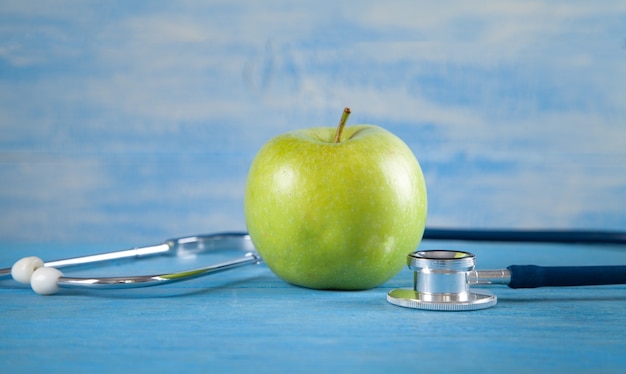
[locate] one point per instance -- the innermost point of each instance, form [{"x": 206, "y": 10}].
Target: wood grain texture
[
  {"x": 137, "y": 121},
  {"x": 250, "y": 321}
]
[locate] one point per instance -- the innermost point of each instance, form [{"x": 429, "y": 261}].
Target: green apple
[{"x": 336, "y": 209}]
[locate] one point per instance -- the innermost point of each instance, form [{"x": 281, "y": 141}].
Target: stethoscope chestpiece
[{"x": 441, "y": 281}]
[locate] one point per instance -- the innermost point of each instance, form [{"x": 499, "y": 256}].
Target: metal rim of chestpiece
[{"x": 441, "y": 281}]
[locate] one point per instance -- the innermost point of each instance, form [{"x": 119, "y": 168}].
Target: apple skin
[{"x": 328, "y": 215}]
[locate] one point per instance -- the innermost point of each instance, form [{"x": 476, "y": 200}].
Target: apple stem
[{"x": 342, "y": 124}]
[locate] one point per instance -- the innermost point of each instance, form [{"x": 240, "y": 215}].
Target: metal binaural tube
[
  {"x": 183, "y": 246},
  {"x": 137, "y": 281}
]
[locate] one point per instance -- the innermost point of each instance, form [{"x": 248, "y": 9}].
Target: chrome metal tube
[
  {"x": 174, "y": 247},
  {"x": 154, "y": 280},
  {"x": 484, "y": 277},
  {"x": 135, "y": 252}
]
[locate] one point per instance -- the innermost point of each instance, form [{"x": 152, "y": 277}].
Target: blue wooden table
[{"x": 247, "y": 320}]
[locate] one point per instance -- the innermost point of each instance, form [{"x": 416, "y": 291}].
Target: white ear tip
[
  {"x": 23, "y": 269},
  {"x": 44, "y": 281}
]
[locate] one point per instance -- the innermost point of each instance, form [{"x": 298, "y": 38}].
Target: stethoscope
[
  {"x": 442, "y": 278},
  {"x": 45, "y": 278}
]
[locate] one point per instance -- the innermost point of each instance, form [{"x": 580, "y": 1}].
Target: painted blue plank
[{"x": 250, "y": 321}]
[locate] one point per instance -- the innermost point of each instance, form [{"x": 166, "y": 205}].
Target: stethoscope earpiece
[
  {"x": 31, "y": 270},
  {"x": 23, "y": 269}
]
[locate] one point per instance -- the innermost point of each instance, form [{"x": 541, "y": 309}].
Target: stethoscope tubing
[
  {"x": 528, "y": 236},
  {"x": 533, "y": 276}
]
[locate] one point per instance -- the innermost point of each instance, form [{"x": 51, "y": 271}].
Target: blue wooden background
[
  {"x": 137, "y": 121},
  {"x": 125, "y": 123}
]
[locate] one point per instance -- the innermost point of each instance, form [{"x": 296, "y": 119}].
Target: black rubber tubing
[
  {"x": 532, "y": 236},
  {"x": 532, "y": 276}
]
